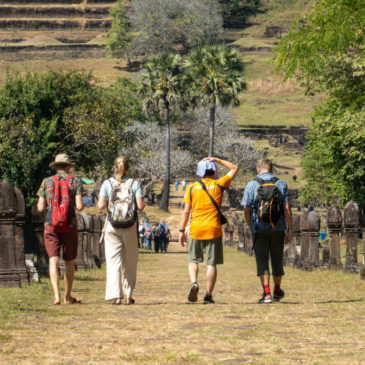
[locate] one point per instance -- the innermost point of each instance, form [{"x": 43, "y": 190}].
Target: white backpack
[{"x": 122, "y": 209}]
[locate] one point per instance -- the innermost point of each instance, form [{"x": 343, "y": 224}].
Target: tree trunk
[
  {"x": 164, "y": 202},
  {"x": 211, "y": 127}
]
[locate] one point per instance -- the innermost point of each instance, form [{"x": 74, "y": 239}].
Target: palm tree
[
  {"x": 160, "y": 85},
  {"x": 214, "y": 75}
]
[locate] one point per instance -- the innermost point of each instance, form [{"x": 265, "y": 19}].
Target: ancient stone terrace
[{"x": 38, "y": 29}]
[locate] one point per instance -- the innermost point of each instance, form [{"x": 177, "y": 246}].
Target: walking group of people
[
  {"x": 266, "y": 210},
  {"x": 160, "y": 234}
]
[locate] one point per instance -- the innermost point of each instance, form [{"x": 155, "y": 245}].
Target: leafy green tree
[
  {"x": 118, "y": 40},
  {"x": 44, "y": 114},
  {"x": 325, "y": 51},
  {"x": 214, "y": 76},
  {"x": 31, "y": 122},
  {"x": 160, "y": 86}
]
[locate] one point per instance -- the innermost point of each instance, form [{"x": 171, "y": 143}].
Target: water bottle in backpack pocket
[{"x": 122, "y": 209}]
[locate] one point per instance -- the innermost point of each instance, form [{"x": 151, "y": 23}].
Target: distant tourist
[
  {"x": 268, "y": 214},
  {"x": 176, "y": 185},
  {"x": 203, "y": 199},
  {"x": 183, "y": 184},
  {"x": 156, "y": 237},
  {"x": 165, "y": 236},
  {"x": 60, "y": 227},
  {"x": 122, "y": 196}
]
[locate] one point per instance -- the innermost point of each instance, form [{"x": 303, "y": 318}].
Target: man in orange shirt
[{"x": 205, "y": 230}]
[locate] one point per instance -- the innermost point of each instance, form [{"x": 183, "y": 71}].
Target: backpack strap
[
  {"x": 191, "y": 193},
  {"x": 211, "y": 198}
]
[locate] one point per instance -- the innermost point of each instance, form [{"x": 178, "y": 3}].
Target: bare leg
[
  {"x": 54, "y": 276},
  {"x": 265, "y": 280},
  {"x": 69, "y": 278},
  {"x": 277, "y": 280},
  {"x": 193, "y": 270},
  {"x": 211, "y": 278}
]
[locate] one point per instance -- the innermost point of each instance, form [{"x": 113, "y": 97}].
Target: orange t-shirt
[{"x": 204, "y": 223}]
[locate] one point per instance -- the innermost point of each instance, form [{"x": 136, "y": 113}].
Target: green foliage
[
  {"x": 44, "y": 114},
  {"x": 31, "y": 127},
  {"x": 118, "y": 39},
  {"x": 325, "y": 50},
  {"x": 214, "y": 74}
]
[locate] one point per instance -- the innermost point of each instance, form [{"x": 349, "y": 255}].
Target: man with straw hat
[{"x": 61, "y": 194}]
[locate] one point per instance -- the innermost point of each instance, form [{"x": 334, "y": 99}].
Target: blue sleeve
[
  {"x": 105, "y": 189},
  {"x": 137, "y": 189},
  {"x": 248, "y": 196},
  {"x": 285, "y": 191}
]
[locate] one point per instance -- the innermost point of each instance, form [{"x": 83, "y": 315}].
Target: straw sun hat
[{"x": 61, "y": 159}]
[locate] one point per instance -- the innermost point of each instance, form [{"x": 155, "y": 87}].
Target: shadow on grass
[
  {"x": 340, "y": 301},
  {"x": 88, "y": 278}
]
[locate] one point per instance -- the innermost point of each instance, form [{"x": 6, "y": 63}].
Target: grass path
[{"x": 320, "y": 320}]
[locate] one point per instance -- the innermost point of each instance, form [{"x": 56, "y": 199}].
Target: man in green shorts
[{"x": 205, "y": 230}]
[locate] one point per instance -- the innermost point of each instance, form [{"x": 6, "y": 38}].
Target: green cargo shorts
[{"x": 213, "y": 249}]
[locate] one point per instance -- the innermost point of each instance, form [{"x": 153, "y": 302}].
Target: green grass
[{"x": 321, "y": 318}]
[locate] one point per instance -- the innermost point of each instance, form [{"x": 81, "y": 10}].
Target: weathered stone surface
[
  {"x": 9, "y": 275},
  {"x": 304, "y": 261},
  {"x": 297, "y": 237},
  {"x": 352, "y": 227},
  {"x": 314, "y": 224},
  {"x": 334, "y": 225},
  {"x": 88, "y": 240},
  {"x": 19, "y": 237},
  {"x": 38, "y": 230},
  {"x": 80, "y": 262}
]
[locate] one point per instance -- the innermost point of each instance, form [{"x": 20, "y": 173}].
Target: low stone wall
[
  {"x": 14, "y": 270},
  {"x": 303, "y": 251}
]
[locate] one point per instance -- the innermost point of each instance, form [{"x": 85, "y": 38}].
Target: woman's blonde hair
[{"x": 120, "y": 168}]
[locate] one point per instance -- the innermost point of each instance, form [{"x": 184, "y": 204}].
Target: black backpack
[{"x": 269, "y": 209}]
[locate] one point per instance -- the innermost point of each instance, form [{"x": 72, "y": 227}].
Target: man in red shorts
[{"x": 68, "y": 240}]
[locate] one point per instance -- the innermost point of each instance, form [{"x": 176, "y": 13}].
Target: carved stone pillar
[
  {"x": 314, "y": 224},
  {"x": 305, "y": 261},
  {"x": 19, "y": 237},
  {"x": 226, "y": 234},
  {"x": 334, "y": 224},
  {"x": 87, "y": 240},
  {"x": 230, "y": 232},
  {"x": 80, "y": 263},
  {"x": 9, "y": 276},
  {"x": 297, "y": 238},
  {"x": 241, "y": 239},
  {"x": 38, "y": 230},
  {"x": 352, "y": 226}
]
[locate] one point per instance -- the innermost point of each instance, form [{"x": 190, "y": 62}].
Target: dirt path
[{"x": 321, "y": 319}]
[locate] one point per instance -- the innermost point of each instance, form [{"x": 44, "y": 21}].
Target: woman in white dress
[{"x": 121, "y": 244}]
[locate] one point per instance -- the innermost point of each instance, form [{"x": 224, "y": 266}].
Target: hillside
[{"x": 38, "y": 35}]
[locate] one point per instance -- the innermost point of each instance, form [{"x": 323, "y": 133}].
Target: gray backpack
[{"x": 122, "y": 208}]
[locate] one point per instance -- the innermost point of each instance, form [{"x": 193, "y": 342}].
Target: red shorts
[{"x": 53, "y": 242}]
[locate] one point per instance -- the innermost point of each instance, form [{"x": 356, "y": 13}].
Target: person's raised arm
[{"x": 228, "y": 165}]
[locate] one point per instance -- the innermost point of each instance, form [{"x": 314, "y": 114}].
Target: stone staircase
[{"x": 43, "y": 29}]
